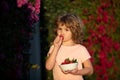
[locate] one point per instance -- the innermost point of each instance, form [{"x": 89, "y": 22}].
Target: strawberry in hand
[{"x": 61, "y": 36}]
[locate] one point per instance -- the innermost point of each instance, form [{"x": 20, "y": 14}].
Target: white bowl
[{"x": 70, "y": 66}]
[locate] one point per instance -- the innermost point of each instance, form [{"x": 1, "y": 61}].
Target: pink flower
[
  {"x": 37, "y": 6},
  {"x": 100, "y": 10},
  {"x": 34, "y": 17},
  {"x": 105, "y": 17},
  {"x": 116, "y": 46},
  {"x": 99, "y": 19},
  {"x": 30, "y": 6},
  {"x": 101, "y": 29},
  {"x": 33, "y": 6},
  {"x": 20, "y": 3}
]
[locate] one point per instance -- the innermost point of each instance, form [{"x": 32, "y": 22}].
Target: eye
[
  {"x": 59, "y": 29},
  {"x": 67, "y": 29}
]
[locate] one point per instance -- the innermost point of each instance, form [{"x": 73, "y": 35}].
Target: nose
[{"x": 62, "y": 32}]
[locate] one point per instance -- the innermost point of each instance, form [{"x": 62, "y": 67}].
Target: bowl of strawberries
[{"x": 68, "y": 64}]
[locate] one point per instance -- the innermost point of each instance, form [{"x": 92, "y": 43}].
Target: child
[{"x": 67, "y": 44}]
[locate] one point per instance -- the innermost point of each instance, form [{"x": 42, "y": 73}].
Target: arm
[
  {"x": 87, "y": 65},
  {"x": 51, "y": 58},
  {"x": 88, "y": 68}
]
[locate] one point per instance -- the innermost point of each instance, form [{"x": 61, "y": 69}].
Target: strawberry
[
  {"x": 61, "y": 36},
  {"x": 68, "y": 61}
]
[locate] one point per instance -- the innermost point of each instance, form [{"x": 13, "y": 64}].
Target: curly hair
[{"x": 74, "y": 23}]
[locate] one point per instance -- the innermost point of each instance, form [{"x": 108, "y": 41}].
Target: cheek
[{"x": 68, "y": 37}]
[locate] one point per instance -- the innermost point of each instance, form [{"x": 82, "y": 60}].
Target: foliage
[
  {"x": 15, "y": 32},
  {"x": 102, "y": 20}
]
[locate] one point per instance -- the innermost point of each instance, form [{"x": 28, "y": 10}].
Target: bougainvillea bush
[
  {"x": 16, "y": 20},
  {"x": 102, "y": 31},
  {"x": 103, "y": 41}
]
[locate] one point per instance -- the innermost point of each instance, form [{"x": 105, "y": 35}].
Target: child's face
[{"x": 65, "y": 32}]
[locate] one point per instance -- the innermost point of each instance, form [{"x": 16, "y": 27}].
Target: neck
[{"x": 71, "y": 43}]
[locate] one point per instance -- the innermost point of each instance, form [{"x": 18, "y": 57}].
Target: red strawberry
[
  {"x": 61, "y": 36},
  {"x": 68, "y": 61}
]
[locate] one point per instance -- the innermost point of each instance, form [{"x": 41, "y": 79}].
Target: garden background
[{"x": 101, "y": 19}]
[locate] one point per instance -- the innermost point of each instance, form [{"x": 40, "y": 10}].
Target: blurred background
[{"x": 26, "y": 31}]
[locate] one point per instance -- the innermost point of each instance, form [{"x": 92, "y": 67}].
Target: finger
[
  {"x": 57, "y": 39},
  {"x": 66, "y": 72},
  {"x": 60, "y": 40}
]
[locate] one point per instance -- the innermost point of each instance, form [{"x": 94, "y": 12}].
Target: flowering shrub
[
  {"x": 102, "y": 20},
  {"x": 101, "y": 43},
  {"x": 15, "y": 32},
  {"x": 33, "y": 6}
]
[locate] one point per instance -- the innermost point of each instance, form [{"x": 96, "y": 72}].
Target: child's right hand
[
  {"x": 74, "y": 71},
  {"x": 58, "y": 41}
]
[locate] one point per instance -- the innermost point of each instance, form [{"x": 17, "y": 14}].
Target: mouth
[{"x": 61, "y": 36}]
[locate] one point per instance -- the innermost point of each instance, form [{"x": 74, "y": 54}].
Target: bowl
[{"x": 69, "y": 66}]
